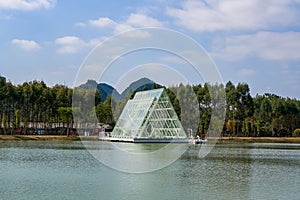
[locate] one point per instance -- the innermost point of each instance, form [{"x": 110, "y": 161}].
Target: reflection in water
[
  {"x": 65, "y": 170},
  {"x": 224, "y": 173}
]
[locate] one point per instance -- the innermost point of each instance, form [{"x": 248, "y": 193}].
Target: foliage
[
  {"x": 296, "y": 132},
  {"x": 33, "y": 103}
]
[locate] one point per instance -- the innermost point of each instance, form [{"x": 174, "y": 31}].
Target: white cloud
[
  {"x": 105, "y": 22},
  {"x": 133, "y": 21},
  {"x": 217, "y": 15},
  {"x": 102, "y": 22},
  {"x": 27, "y": 45},
  {"x": 70, "y": 44},
  {"x": 68, "y": 49},
  {"x": 68, "y": 40},
  {"x": 267, "y": 45},
  {"x": 26, "y": 4},
  {"x": 73, "y": 44},
  {"x": 141, "y": 20},
  {"x": 137, "y": 34},
  {"x": 96, "y": 41},
  {"x": 119, "y": 28},
  {"x": 137, "y": 21}
]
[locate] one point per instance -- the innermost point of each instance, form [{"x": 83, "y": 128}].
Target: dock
[{"x": 154, "y": 140}]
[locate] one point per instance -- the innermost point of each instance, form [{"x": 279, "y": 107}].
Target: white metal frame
[{"x": 150, "y": 114}]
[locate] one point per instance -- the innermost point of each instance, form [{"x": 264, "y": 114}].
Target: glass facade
[{"x": 150, "y": 114}]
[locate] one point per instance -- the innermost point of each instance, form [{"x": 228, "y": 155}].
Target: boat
[
  {"x": 199, "y": 141},
  {"x": 153, "y": 140}
]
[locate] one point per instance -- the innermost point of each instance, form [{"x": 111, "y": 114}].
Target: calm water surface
[{"x": 65, "y": 170}]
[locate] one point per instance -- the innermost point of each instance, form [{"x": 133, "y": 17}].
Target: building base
[{"x": 153, "y": 140}]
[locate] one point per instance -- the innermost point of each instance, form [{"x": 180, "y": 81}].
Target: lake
[{"x": 232, "y": 170}]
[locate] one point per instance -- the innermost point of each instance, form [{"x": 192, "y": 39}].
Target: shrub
[
  {"x": 296, "y": 132},
  {"x": 284, "y": 132}
]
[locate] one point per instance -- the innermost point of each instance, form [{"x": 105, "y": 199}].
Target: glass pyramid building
[{"x": 149, "y": 115}]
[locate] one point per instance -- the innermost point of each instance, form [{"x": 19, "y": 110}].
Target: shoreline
[
  {"x": 95, "y": 138},
  {"x": 261, "y": 139},
  {"x": 46, "y": 138}
]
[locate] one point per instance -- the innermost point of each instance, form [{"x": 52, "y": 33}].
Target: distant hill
[
  {"x": 139, "y": 85},
  {"x": 105, "y": 89},
  {"x": 89, "y": 85}
]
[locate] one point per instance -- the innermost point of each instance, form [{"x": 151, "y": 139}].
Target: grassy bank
[
  {"x": 94, "y": 138},
  {"x": 45, "y": 137},
  {"x": 262, "y": 139}
]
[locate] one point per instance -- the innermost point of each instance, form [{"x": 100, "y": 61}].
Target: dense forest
[{"x": 32, "y": 106}]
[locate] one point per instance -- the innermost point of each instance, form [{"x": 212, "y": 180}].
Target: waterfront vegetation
[{"x": 26, "y": 107}]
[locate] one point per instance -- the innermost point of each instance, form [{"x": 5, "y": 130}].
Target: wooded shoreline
[
  {"x": 35, "y": 108},
  {"x": 95, "y": 138}
]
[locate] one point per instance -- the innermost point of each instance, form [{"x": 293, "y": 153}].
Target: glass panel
[{"x": 149, "y": 114}]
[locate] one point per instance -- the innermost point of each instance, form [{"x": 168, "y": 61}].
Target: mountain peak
[
  {"x": 89, "y": 85},
  {"x": 106, "y": 89}
]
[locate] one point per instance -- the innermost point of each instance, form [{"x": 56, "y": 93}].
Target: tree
[
  {"x": 258, "y": 128},
  {"x": 66, "y": 115},
  {"x": 33, "y": 104},
  {"x": 245, "y": 106},
  {"x": 229, "y": 127},
  {"x": 104, "y": 111},
  {"x": 18, "y": 118}
]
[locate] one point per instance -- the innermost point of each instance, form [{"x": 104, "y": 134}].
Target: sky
[{"x": 251, "y": 41}]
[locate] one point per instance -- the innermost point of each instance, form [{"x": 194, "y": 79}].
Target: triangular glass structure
[{"x": 149, "y": 115}]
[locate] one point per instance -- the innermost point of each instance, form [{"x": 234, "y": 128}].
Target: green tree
[
  {"x": 245, "y": 106},
  {"x": 18, "y": 118},
  {"x": 66, "y": 116},
  {"x": 229, "y": 127},
  {"x": 104, "y": 111}
]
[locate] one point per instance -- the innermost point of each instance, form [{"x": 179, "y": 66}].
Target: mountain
[
  {"x": 89, "y": 85},
  {"x": 105, "y": 89},
  {"x": 139, "y": 85}
]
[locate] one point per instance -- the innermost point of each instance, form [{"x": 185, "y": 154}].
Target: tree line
[
  {"x": 31, "y": 105},
  {"x": 262, "y": 115},
  {"x": 34, "y": 105}
]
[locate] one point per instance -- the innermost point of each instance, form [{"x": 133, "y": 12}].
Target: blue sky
[{"x": 251, "y": 41}]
